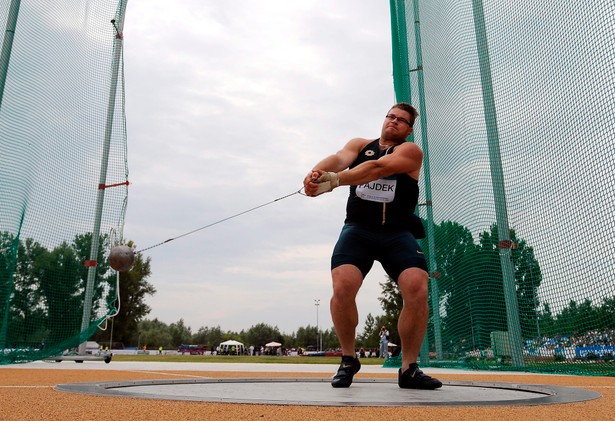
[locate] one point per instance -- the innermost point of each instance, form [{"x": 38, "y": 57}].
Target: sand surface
[{"x": 28, "y": 394}]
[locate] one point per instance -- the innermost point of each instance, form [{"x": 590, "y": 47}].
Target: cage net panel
[
  {"x": 54, "y": 120},
  {"x": 518, "y": 131}
]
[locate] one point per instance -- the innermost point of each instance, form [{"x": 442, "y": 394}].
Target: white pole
[
  {"x": 497, "y": 181},
  {"x": 318, "y": 339},
  {"x": 5, "y": 58},
  {"x": 115, "y": 64},
  {"x": 7, "y": 44}
]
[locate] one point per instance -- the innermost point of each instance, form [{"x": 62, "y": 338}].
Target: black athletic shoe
[
  {"x": 414, "y": 378},
  {"x": 348, "y": 368}
]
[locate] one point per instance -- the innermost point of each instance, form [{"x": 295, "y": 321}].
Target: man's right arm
[
  {"x": 343, "y": 158},
  {"x": 339, "y": 161}
]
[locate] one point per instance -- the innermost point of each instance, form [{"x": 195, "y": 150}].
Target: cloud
[{"x": 228, "y": 106}]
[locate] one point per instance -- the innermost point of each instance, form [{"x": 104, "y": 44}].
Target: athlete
[{"x": 380, "y": 225}]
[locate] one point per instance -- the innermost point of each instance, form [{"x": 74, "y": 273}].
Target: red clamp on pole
[
  {"x": 123, "y": 183},
  {"x": 90, "y": 263},
  {"x": 508, "y": 244}
]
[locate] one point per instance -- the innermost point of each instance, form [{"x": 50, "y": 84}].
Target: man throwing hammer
[{"x": 380, "y": 225}]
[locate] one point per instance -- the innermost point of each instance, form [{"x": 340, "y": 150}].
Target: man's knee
[
  {"x": 413, "y": 283},
  {"x": 347, "y": 280}
]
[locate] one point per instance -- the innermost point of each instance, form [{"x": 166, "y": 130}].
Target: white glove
[{"x": 327, "y": 182}]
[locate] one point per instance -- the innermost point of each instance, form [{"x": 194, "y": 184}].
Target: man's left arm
[{"x": 407, "y": 158}]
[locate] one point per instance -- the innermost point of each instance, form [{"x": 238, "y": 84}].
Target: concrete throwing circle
[{"x": 318, "y": 392}]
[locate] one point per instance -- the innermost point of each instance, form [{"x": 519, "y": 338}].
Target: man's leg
[
  {"x": 412, "y": 325},
  {"x": 347, "y": 280}
]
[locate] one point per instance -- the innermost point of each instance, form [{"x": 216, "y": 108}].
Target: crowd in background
[{"x": 604, "y": 337}]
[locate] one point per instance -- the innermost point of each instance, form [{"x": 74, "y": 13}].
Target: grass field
[
  {"x": 586, "y": 368},
  {"x": 264, "y": 359}
]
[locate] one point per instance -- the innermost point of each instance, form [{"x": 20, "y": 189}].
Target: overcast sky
[{"x": 228, "y": 106}]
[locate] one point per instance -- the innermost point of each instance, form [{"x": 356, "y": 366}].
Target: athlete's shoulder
[
  {"x": 360, "y": 141},
  {"x": 357, "y": 144},
  {"x": 410, "y": 148}
]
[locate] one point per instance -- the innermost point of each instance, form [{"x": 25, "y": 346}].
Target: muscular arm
[
  {"x": 407, "y": 158},
  {"x": 334, "y": 163},
  {"x": 342, "y": 158}
]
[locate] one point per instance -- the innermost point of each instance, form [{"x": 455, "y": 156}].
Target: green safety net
[
  {"x": 517, "y": 104},
  {"x": 63, "y": 172}
]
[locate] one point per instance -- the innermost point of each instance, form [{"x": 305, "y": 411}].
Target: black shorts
[{"x": 360, "y": 246}]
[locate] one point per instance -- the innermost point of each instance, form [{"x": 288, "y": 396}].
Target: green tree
[
  {"x": 471, "y": 289},
  {"x": 210, "y": 336},
  {"x": 546, "y": 322},
  {"x": 27, "y": 321},
  {"x": 261, "y": 334},
  {"x": 8, "y": 254},
  {"x": 528, "y": 277},
  {"x": 289, "y": 340},
  {"x": 364, "y": 339},
  {"x": 62, "y": 289},
  {"x": 475, "y": 304},
  {"x": 606, "y": 314},
  {"x": 370, "y": 337},
  {"x": 579, "y": 318},
  {"x": 329, "y": 339},
  {"x": 47, "y": 289},
  {"x": 180, "y": 333},
  {"x": 456, "y": 255},
  {"x": 567, "y": 320},
  {"x": 587, "y": 317},
  {"x": 391, "y": 303},
  {"x": 307, "y": 336},
  {"x": 153, "y": 333}
]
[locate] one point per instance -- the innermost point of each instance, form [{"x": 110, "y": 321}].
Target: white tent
[
  {"x": 273, "y": 344},
  {"x": 226, "y": 347},
  {"x": 231, "y": 342}
]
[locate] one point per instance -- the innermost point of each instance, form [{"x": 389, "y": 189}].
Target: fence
[
  {"x": 517, "y": 105},
  {"x": 63, "y": 172}
]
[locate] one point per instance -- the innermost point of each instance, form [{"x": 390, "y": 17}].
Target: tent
[
  {"x": 231, "y": 342},
  {"x": 273, "y": 344},
  {"x": 231, "y": 347}
]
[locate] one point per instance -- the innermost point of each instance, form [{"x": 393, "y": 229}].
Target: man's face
[{"x": 396, "y": 125}]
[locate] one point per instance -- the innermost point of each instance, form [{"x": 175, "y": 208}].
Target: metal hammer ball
[{"x": 121, "y": 258}]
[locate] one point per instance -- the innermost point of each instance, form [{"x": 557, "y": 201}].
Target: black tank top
[{"x": 395, "y": 215}]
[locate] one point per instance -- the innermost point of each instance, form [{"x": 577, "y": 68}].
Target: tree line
[
  {"x": 471, "y": 300},
  {"x": 577, "y": 318},
  {"x": 42, "y": 295},
  {"x": 42, "y": 291},
  {"x": 155, "y": 333}
]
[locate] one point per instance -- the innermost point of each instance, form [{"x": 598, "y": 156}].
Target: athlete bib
[{"x": 381, "y": 191}]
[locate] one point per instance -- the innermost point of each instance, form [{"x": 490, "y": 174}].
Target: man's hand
[
  {"x": 327, "y": 182},
  {"x": 318, "y": 182},
  {"x": 309, "y": 183}
]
